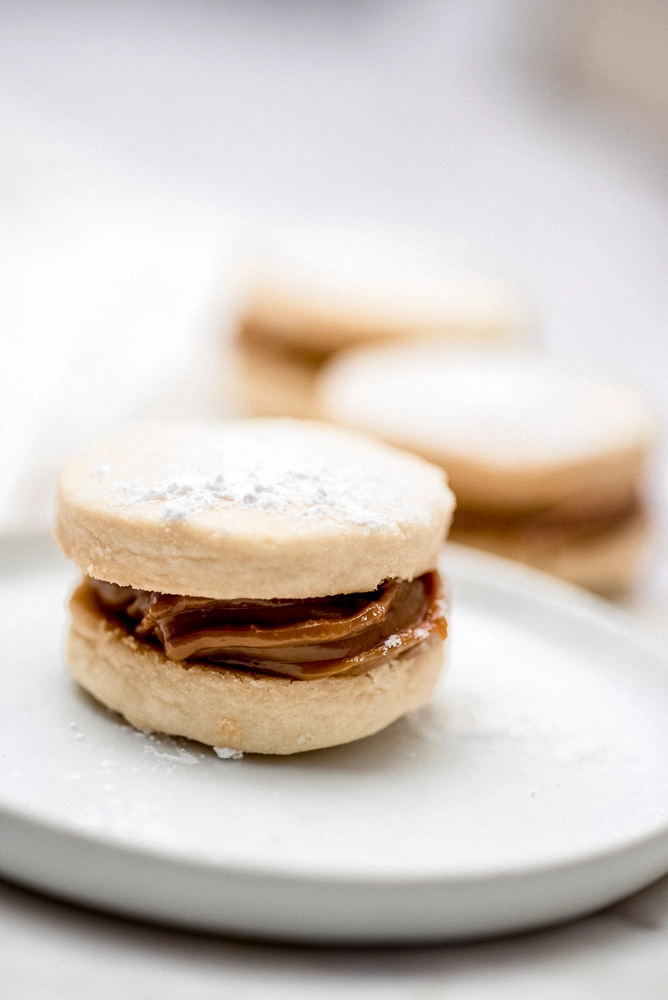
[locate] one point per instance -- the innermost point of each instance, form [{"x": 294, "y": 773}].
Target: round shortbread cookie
[
  {"x": 273, "y": 382},
  {"x": 512, "y": 431},
  {"x": 251, "y": 509},
  {"x": 331, "y": 288},
  {"x": 237, "y": 709}
]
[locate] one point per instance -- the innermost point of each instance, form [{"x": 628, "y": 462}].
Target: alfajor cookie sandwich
[
  {"x": 547, "y": 464},
  {"x": 267, "y": 586},
  {"x": 311, "y": 297}
]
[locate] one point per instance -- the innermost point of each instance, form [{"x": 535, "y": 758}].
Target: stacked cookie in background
[
  {"x": 548, "y": 463},
  {"x": 314, "y": 296}
]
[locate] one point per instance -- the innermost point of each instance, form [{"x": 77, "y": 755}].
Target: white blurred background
[{"x": 142, "y": 142}]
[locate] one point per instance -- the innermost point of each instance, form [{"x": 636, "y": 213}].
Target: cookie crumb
[{"x": 227, "y": 753}]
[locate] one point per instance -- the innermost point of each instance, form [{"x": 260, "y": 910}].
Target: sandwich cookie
[
  {"x": 311, "y": 298},
  {"x": 547, "y": 464},
  {"x": 266, "y": 586}
]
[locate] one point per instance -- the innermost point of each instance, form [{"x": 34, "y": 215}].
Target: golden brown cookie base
[
  {"x": 234, "y": 708},
  {"x": 336, "y": 513}
]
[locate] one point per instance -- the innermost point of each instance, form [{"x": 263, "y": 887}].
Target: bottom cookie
[{"x": 244, "y": 711}]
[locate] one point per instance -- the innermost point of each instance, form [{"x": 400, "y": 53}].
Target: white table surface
[
  {"x": 139, "y": 142},
  {"x": 50, "y": 949}
]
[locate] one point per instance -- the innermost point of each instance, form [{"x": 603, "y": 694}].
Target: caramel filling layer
[
  {"x": 252, "y": 336},
  {"x": 302, "y": 639},
  {"x": 548, "y": 522}
]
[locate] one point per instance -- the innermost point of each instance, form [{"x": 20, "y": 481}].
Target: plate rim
[{"x": 473, "y": 565}]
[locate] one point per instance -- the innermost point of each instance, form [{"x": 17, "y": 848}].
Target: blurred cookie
[
  {"x": 311, "y": 298},
  {"x": 547, "y": 464},
  {"x": 268, "y": 586}
]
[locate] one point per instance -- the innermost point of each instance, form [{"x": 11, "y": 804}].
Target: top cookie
[
  {"x": 259, "y": 508},
  {"x": 511, "y": 430},
  {"x": 329, "y": 290}
]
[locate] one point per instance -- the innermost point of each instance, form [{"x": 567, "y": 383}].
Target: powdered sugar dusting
[
  {"x": 392, "y": 642},
  {"x": 283, "y": 469},
  {"x": 227, "y": 753},
  {"x": 178, "y": 755}
]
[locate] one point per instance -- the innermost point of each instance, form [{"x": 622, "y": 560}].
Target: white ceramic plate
[{"x": 533, "y": 789}]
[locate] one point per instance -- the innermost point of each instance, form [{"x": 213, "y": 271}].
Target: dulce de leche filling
[
  {"x": 548, "y": 523},
  {"x": 302, "y": 639}
]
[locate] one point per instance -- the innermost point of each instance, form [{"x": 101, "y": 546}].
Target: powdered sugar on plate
[{"x": 227, "y": 753}]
